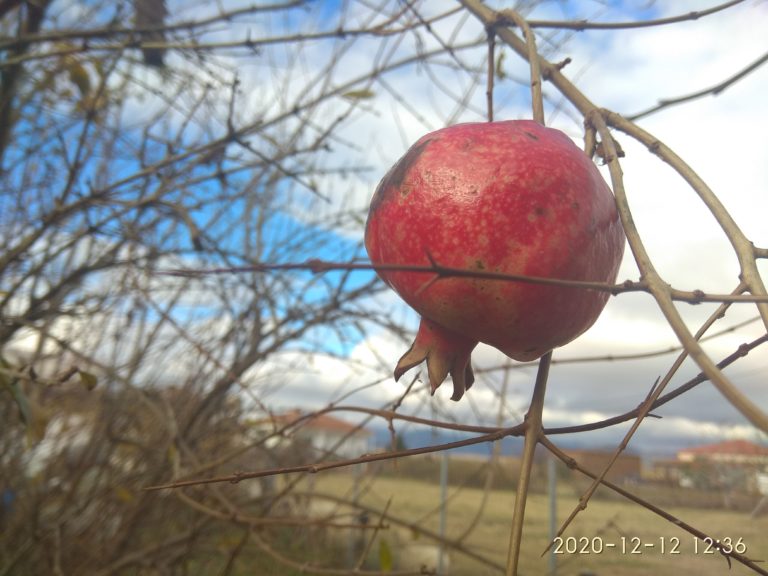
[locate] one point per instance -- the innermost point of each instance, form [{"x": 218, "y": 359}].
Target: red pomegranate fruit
[{"x": 508, "y": 197}]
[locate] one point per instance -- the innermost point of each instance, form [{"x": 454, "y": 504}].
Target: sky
[{"x": 721, "y": 137}]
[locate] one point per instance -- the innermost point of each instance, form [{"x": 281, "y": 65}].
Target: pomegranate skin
[{"x": 510, "y": 197}]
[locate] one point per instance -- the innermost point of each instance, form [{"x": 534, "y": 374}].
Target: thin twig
[
  {"x": 416, "y": 528},
  {"x": 700, "y": 378},
  {"x": 379, "y": 526},
  {"x": 318, "y": 266},
  {"x": 713, "y": 90},
  {"x": 323, "y": 466},
  {"x": 587, "y": 25},
  {"x": 490, "y": 76},
  {"x": 617, "y": 357},
  {"x": 537, "y": 99},
  {"x": 248, "y": 45}
]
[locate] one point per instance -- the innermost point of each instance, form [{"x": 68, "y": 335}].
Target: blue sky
[
  {"x": 630, "y": 71},
  {"x": 625, "y": 71}
]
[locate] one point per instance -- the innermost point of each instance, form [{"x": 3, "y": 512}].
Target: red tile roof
[
  {"x": 323, "y": 422},
  {"x": 741, "y": 447}
]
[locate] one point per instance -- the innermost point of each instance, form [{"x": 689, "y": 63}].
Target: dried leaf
[
  {"x": 385, "y": 556},
  {"x": 78, "y": 75},
  {"x": 601, "y": 153},
  {"x": 37, "y": 425},
  {"x": 124, "y": 494},
  {"x": 36, "y": 432},
  {"x": 21, "y": 401},
  {"x": 87, "y": 379},
  {"x": 363, "y": 94},
  {"x": 500, "y": 74}
]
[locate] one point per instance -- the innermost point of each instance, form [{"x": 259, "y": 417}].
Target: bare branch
[
  {"x": 711, "y": 91},
  {"x": 587, "y": 25}
]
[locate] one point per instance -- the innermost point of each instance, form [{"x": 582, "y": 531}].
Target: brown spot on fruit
[
  {"x": 536, "y": 213},
  {"x": 396, "y": 175}
]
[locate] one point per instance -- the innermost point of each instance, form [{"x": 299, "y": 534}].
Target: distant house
[
  {"x": 730, "y": 451},
  {"x": 733, "y": 464},
  {"x": 325, "y": 435}
]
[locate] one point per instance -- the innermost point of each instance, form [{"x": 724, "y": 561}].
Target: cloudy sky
[{"x": 722, "y": 137}]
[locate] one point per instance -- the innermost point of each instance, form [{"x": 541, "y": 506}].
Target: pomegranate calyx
[{"x": 446, "y": 352}]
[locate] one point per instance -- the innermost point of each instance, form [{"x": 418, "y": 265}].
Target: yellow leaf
[
  {"x": 123, "y": 494},
  {"x": 88, "y": 380},
  {"x": 363, "y": 94},
  {"x": 385, "y": 556},
  {"x": 78, "y": 75},
  {"x": 37, "y": 425},
  {"x": 500, "y": 74}
]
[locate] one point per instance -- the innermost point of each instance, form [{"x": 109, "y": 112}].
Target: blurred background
[{"x": 141, "y": 138}]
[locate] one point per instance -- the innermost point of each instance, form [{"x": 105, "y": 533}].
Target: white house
[{"x": 326, "y": 435}]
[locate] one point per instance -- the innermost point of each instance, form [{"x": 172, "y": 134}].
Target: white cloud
[{"x": 723, "y": 138}]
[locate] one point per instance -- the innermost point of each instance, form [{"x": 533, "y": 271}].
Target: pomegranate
[{"x": 510, "y": 197}]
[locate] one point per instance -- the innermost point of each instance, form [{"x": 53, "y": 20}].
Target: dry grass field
[{"x": 608, "y": 538}]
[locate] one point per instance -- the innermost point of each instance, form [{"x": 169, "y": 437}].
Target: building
[
  {"x": 326, "y": 436},
  {"x": 730, "y": 451},
  {"x": 732, "y": 464}
]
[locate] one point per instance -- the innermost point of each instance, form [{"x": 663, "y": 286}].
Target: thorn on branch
[
  {"x": 743, "y": 350},
  {"x": 698, "y": 296},
  {"x": 432, "y": 261},
  {"x": 581, "y": 25},
  {"x": 571, "y": 463},
  {"x": 231, "y": 132},
  {"x": 625, "y": 286},
  {"x": 653, "y": 388},
  {"x": 317, "y": 266}
]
